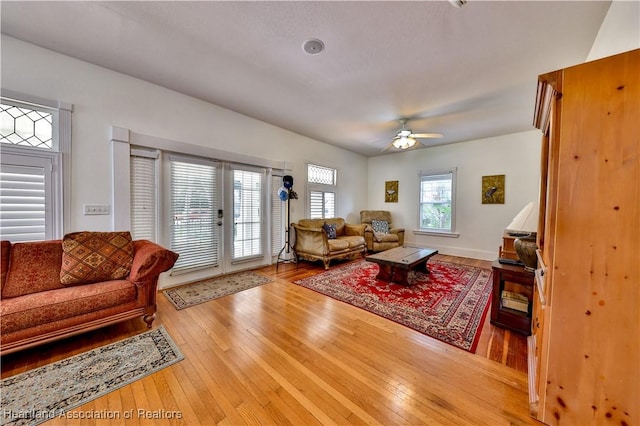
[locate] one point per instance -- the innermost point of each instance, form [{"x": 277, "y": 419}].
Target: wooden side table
[{"x": 501, "y": 316}]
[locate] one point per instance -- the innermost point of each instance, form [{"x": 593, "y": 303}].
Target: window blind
[
  {"x": 278, "y": 214},
  {"x": 194, "y": 232},
  {"x": 143, "y": 196}
]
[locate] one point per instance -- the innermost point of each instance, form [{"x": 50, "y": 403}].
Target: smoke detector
[{"x": 313, "y": 46}]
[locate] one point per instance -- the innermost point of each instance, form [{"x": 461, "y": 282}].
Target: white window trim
[
  {"x": 61, "y": 178},
  {"x": 449, "y": 234}
]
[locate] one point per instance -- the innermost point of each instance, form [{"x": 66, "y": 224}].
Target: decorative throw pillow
[
  {"x": 381, "y": 226},
  {"x": 330, "y": 229},
  {"x": 89, "y": 257}
]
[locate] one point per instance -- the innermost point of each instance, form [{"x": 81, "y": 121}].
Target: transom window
[
  {"x": 321, "y": 175},
  {"x": 26, "y": 126}
]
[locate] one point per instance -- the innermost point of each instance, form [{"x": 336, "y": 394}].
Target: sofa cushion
[
  {"x": 48, "y": 306},
  {"x": 338, "y": 244},
  {"x": 354, "y": 241},
  {"x": 385, "y": 238},
  {"x": 95, "y": 256},
  {"x": 33, "y": 267},
  {"x": 330, "y": 229}
]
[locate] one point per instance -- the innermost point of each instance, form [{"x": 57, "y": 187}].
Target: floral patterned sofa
[{"x": 54, "y": 289}]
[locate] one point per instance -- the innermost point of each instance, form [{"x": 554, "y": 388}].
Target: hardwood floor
[{"x": 283, "y": 354}]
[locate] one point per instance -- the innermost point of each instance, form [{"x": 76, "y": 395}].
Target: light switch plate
[{"x": 96, "y": 209}]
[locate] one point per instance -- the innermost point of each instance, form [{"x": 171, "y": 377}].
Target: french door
[
  {"x": 196, "y": 214},
  {"x": 217, "y": 215}
]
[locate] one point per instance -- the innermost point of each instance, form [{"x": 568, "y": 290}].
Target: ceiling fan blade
[
  {"x": 388, "y": 147},
  {"x": 427, "y": 135}
]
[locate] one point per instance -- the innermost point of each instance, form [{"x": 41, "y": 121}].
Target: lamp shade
[{"x": 526, "y": 221}]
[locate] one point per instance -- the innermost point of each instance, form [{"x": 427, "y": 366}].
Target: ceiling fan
[{"x": 406, "y": 139}]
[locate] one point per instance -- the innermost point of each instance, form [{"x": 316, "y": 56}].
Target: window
[
  {"x": 247, "y": 214},
  {"x": 34, "y": 136},
  {"x": 437, "y": 201},
  {"x": 194, "y": 233},
  {"x": 144, "y": 195},
  {"x": 321, "y": 185}
]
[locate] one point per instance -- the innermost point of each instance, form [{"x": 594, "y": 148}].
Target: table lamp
[{"x": 525, "y": 226}]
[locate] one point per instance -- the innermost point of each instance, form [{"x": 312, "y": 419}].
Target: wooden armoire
[{"x": 584, "y": 356}]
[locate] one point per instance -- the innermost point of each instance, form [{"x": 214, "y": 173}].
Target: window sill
[{"x": 436, "y": 233}]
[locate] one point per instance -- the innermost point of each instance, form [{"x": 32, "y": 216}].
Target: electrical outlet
[{"x": 95, "y": 209}]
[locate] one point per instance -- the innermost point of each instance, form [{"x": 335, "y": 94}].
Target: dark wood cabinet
[{"x": 523, "y": 281}]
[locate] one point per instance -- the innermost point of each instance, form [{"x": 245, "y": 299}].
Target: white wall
[
  {"x": 480, "y": 226},
  {"x": 619, "y": 32},
  {"x": 517, "y": 156},
  {"x": 103, "y": 98}
]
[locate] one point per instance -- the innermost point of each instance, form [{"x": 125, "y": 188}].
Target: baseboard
[{"x": 460, "y": 252}]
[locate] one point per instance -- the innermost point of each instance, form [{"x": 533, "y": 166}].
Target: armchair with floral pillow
[{"x": 380, "y": 234}]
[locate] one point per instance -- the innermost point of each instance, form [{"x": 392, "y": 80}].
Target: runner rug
[
  {"x": 449, "y": 304},
  {"x": 202, "y": 291},
  {"x": 51, "y": 391}
]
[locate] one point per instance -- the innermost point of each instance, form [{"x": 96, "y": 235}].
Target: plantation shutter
[
  {"x": 25, "y": 201},
  {"x": 143, "y": 195},
  {"x": 322, "y": 204},
  {"x": 194, "y": 233},
  {"x": 316, "y": 205}
]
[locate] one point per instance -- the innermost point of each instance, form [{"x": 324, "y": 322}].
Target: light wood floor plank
[{"x": 283, "y": 354}]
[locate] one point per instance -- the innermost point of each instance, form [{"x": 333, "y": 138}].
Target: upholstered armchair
[{"x": 380, "y": 234}]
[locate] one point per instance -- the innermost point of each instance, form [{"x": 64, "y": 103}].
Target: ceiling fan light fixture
[{"x": 404, "y": 142}]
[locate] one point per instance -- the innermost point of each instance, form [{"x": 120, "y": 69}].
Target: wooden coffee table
[{"x": 396, "y": 263}]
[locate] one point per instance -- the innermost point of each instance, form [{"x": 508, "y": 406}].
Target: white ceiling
[{"x": 467, "y": 72}]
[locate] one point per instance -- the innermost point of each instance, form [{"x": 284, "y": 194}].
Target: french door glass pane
[
  {"x": 194, "y": 203},
  {"x": 247, "y": 214}
]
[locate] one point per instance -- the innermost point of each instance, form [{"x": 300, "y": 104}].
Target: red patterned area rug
[{"x": 449, "y": 304}]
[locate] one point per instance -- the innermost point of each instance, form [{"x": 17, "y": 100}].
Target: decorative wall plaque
[
  {"x": 391, "y": 191},
  {"x": 493, "y": 189}
]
